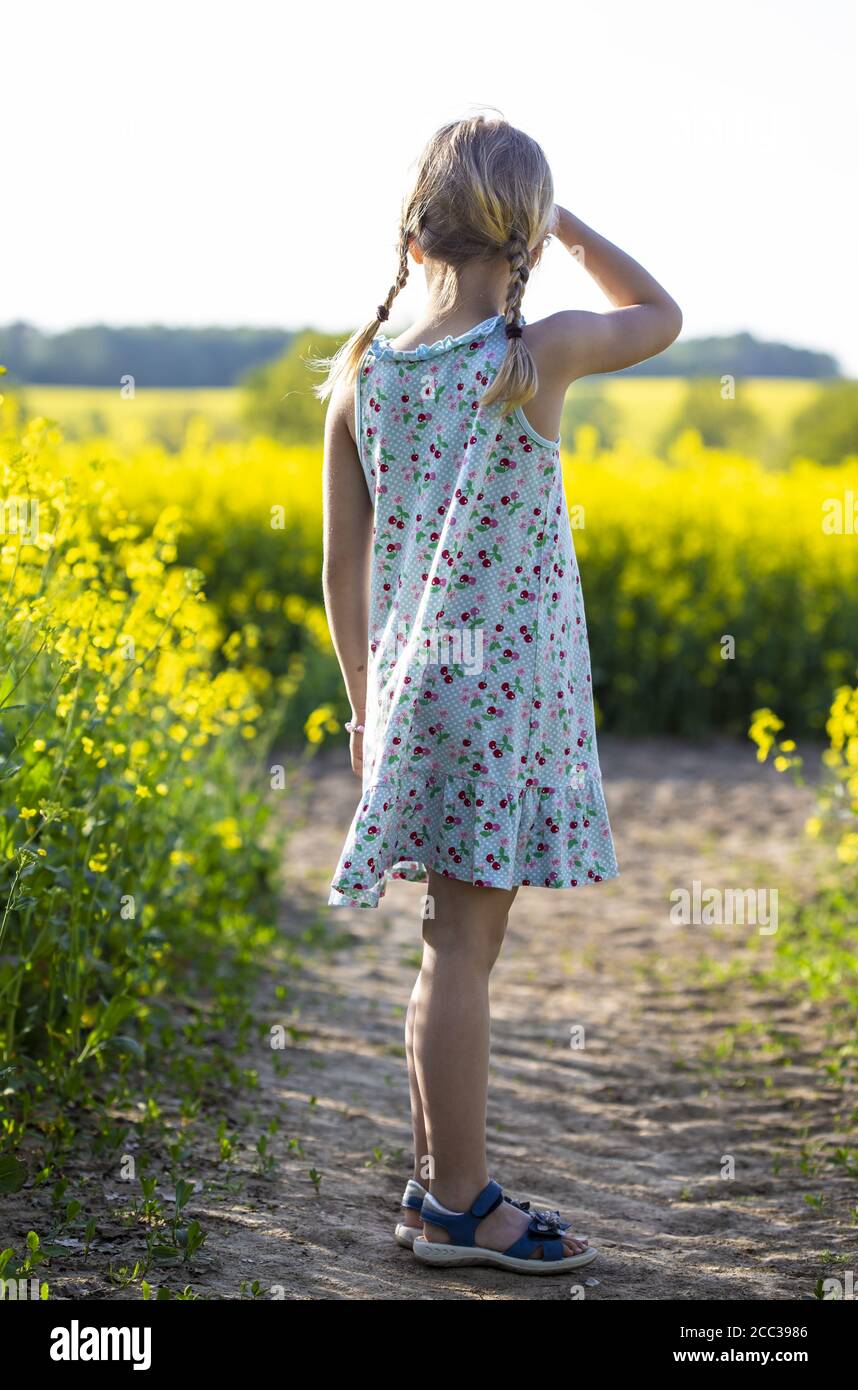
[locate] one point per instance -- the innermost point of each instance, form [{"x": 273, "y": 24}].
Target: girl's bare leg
[
  {"x": 418, "y": 1124},
  {"x": 449, "y": 1051}
]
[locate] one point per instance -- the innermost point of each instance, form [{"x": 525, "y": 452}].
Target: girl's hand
[
  {"x": 644, "y": 319},
  {"x": 356, "y": 750}
]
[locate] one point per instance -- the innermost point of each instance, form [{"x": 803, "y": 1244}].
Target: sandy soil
[{"x": 627, "y": 1136}]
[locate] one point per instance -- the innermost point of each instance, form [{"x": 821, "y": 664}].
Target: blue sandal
[
  {"x": 412, "y": 1200},
  {"x": 545, "y": 1231},
  {"x": 415, "y": 1193}
]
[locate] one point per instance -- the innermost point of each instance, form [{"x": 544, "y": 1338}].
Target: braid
[
  {"x": 343, "y": 365},
  {"x": 518, "y": 254},
  {"x": 401, "y": 274},
  {"x": 515, "y": 380}
]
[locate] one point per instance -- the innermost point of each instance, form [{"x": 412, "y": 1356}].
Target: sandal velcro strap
[
  {"x": 490, "y": 1197},
  {"x": 544, "y": 1233},
  {"x": 461, "y": 1225}
]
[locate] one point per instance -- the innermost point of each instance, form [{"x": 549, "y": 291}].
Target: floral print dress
[{"x": 480, "y": 757}]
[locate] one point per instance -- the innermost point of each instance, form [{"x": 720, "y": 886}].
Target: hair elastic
[
  {"x": 382, "y": 313},
  {"x": 353, "y": 727},
  {"x": 513, "y": 330}
]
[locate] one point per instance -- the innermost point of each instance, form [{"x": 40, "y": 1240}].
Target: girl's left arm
[{"x": 347, "y": 546}]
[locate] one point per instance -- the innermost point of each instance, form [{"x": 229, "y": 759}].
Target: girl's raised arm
[
  {"x": 644, "y": 321},
  {"x": 347, "y": 545}
]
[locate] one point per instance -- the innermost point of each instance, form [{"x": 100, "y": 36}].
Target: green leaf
[
  {"x": 162, "y": 1255},
  {"x": 184, "y": 1191},
  {"x": 13, "y": 1174},
  {"x": 126, "y": 1044},
  {"x": 111, "y": 1016}
]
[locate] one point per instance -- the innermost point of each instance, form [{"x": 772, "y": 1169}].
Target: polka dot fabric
[{"x": 480, "y": 756}]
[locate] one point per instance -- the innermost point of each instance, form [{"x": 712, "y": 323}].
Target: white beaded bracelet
[{"x": 352, "y": 728}]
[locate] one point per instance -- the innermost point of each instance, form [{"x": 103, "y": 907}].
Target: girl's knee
[
  {"x": 455, "y": 900},
  {"x": 468, "y": 922},
  {"x": 463, "y": 949}
]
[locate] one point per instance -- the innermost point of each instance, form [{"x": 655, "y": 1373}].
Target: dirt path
[{"x": 628, "y": 1134}]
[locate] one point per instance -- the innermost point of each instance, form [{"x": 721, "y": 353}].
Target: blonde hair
[{"x": 481, "y": 189}]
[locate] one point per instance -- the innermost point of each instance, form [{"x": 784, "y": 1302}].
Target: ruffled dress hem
[{"x": 477, "y": 831}]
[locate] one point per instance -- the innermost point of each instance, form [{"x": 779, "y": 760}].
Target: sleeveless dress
[{"x": 480, "y": 757}]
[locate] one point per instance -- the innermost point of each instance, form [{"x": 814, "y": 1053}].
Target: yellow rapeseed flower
[
  {"x": 764, "y": 726},
  {"x": 847, "y": 849},
  {"x": 319, "y": 722},
  {"x": 228, "y": 831}
]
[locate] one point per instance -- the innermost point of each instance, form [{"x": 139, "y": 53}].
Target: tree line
[{"x": 155, "y": 355}]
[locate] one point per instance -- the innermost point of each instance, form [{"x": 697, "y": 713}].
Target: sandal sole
[{"x": 442, "y": 1255}]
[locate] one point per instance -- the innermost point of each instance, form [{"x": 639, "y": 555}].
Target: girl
[{"x": 455, "y": 607}]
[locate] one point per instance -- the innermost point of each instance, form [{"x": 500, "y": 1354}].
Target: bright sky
[{"x": 187, "y": 162}]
